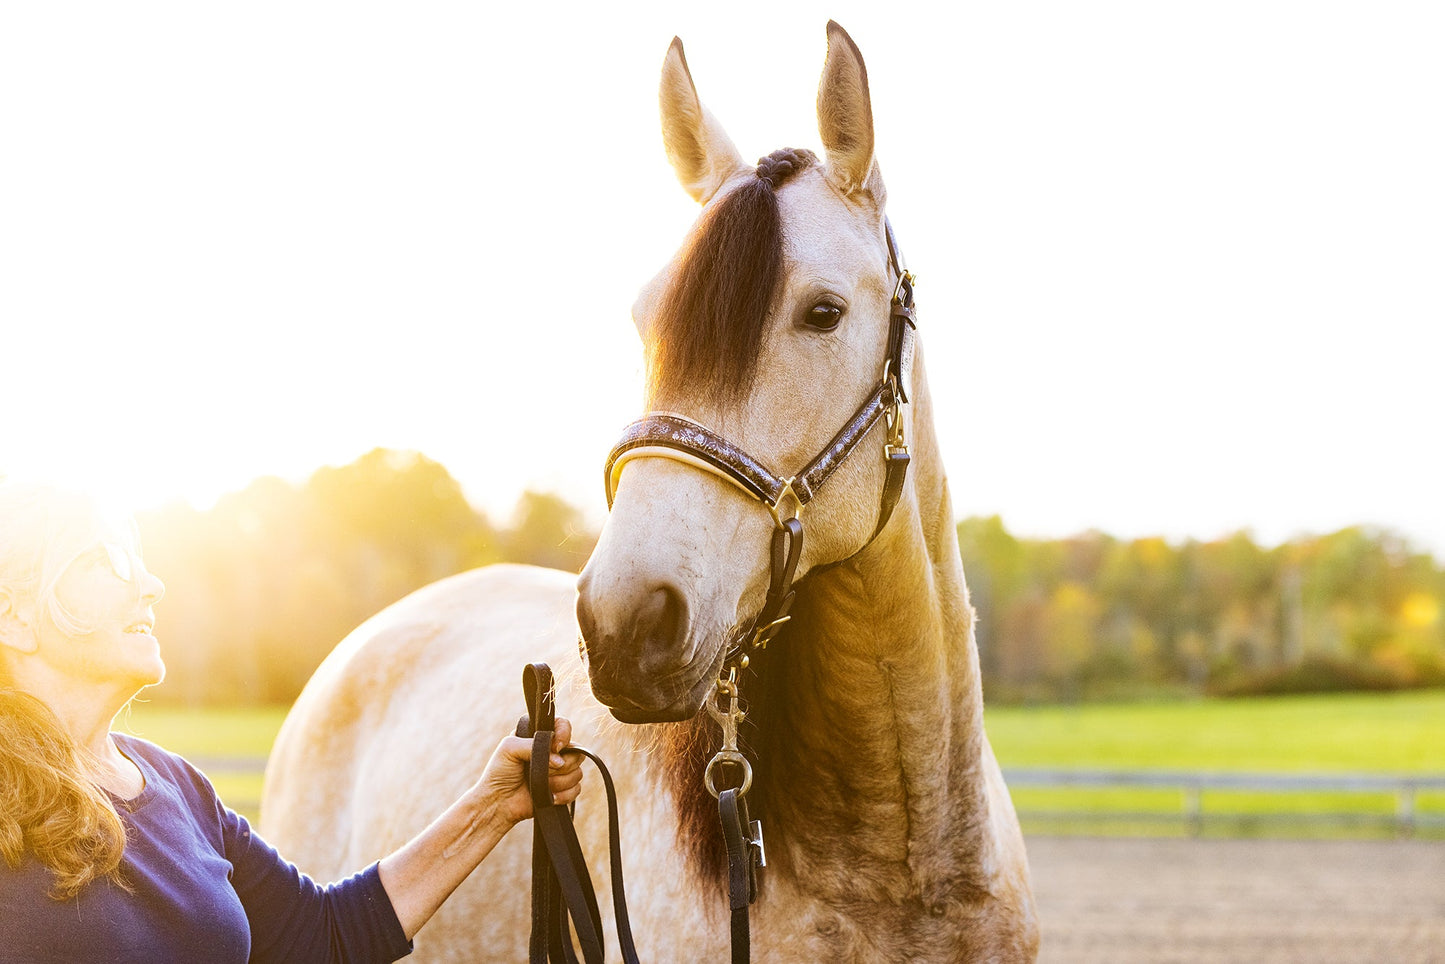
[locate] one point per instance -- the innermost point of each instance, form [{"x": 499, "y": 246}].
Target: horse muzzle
[
  {"x": 641, "y": 701},
  {"x": 641, "y": 662}
]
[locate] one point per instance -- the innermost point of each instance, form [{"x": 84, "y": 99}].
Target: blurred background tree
[
  {"x": 262, "y": 585},
  {"x": 1092, "y": 616},
  {"x": 547, "y": 531}
]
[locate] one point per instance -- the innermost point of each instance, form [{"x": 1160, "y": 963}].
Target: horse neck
[{"x": 881, "y": 724}]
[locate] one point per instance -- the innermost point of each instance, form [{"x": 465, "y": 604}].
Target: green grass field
[
  {"x": 1351, "y": 732},
  {"x": 1391, "y": 733}
]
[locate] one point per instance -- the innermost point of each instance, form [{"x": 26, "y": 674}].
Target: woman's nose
[{"x": 151, "y": 587}]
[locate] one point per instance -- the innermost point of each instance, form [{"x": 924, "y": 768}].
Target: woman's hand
[
  {"x": 504, "y": 778},
  {"x": 424, "y": 872}
]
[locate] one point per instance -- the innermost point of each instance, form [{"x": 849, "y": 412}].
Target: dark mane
[{"x": 711, "y": 321}]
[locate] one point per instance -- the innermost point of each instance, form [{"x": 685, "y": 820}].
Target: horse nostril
[
  {"x": 586, "y": 621},
  {"x": 660, "y": 622},
  {"x": 646, "y": 631}
]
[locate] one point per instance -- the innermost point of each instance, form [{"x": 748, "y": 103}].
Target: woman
[{"x": 114, "y": 849}]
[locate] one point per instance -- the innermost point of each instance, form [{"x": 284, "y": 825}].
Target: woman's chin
[
  {"x": 160, "y": 676},
  {"x": 159, "y": 673},
  {"x": 148, "y": 671},
  {"x": 149, "y": 662}
]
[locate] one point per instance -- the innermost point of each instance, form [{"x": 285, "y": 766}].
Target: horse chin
[
  {"x": 626, "y": 709},
  {"x": 677, "y": 713}
]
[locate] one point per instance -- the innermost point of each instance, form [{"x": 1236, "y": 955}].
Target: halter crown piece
[{"x": 676, "y": 437}]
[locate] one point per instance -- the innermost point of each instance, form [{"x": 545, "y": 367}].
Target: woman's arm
[{"x": 424, "y": 872}]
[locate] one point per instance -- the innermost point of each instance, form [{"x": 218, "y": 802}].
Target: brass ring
[{"x": 737, "y": 759}]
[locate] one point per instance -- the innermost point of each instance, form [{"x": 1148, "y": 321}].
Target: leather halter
[{"x": 676, "y": 437}]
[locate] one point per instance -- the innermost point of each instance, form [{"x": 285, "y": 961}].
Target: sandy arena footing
[{"x": 1123, "y": 900}]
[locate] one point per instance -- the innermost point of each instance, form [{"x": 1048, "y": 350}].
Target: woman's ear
[{"x": 17, "y": 619}]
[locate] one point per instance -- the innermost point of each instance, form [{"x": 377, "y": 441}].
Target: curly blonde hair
[{"x": 49, "y": 807}]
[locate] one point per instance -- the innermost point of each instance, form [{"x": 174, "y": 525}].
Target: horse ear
[
  {"x": 701, "y": 152},
  {"x": 845, "y": 117}
]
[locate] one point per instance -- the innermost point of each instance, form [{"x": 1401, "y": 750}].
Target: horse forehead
[{"x": 823, "y": 231}]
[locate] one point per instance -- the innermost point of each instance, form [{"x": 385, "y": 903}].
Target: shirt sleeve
[{"x": 295, "y": 920}]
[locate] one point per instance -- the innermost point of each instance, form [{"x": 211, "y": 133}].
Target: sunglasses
[{"x": 121, "y": 561}]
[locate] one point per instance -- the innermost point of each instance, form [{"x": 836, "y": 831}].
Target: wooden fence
[{"x": 1405, "y": 820}]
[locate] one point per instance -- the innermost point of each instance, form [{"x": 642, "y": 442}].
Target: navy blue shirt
[{"x": 204, "y": 888}]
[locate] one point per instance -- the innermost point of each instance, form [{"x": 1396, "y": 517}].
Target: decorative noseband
[{"x": 665, "y": 435}]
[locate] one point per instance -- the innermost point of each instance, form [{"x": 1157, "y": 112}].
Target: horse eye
[{"x": 823, "y": 317}]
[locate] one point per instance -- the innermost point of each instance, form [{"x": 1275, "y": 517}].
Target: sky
[{"x": 1181, "y": 266}]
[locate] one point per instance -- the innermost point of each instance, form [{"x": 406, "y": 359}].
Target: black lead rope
[
  {"x": 742, "y": 870},
  {"x": 561, "y": 883},
  {"x": 743, "y": 837}
]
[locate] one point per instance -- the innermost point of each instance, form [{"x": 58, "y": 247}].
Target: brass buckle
[
  {"x": 762, "y": 636},
  {"x": 896, "y": 442},
  {"x": 776, "y": 507},
  {"x": 905, "y": 281}
]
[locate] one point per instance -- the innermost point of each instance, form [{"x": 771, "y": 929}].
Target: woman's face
[{"x": 108, "y": 591}]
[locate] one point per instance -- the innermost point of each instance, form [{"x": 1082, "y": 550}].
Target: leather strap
[
  {"x": 655, "y": 434},
  {"x": 902, "y": 318},
  {"x": 818, "y": 471},
  {"x": 742, "y": 870},
  {"x": 614, "y": 855},
  {"x": 787, "y": 549},
  {"x": 717, "y": 455},
  {"x": 561, "y": 882},
  {"x": 895, "y": 260},
  {"x": 896, "y": 475}
]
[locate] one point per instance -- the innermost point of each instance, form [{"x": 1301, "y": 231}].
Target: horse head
[{"x": 769, "y": 329}]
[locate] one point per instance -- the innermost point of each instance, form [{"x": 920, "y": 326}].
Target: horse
[{"x": 850, "y": 656}]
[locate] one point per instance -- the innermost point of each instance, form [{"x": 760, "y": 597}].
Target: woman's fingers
[
  {"x": 560, "y": 779},
  {"x": 517, "y": 748},
  {"x": 561, "y": 733},
  {"x": 566, "y": 782},
  {"x": 564, "y": 770}
]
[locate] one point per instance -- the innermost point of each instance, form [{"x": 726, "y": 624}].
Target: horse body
[{"x": 889, "y": 833}]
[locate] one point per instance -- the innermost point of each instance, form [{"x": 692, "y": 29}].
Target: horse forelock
[{"x": 713, "y": 315}]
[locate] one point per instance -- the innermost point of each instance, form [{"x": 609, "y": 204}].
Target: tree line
[
  {"x": 262, "y": 585},
  {"x": 1093, "y": 616}
]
